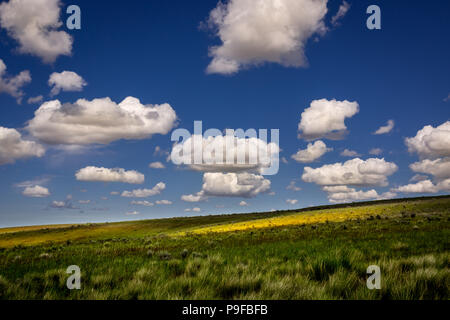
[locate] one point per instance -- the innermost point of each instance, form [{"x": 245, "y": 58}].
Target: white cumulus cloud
[
  {"x": 234, "y": 184},
  {"x": 12, "y": 85},
  {"x": 226, "y": 153},
  {"x": 36, "y": 192},
  {"x": 99, "y": 121},
  {"x": 385, "y": 129},
  {"x": 142, "y": 203},
  {"x": 193, "y": 197},
  {"x": 34, "y": 25},
  {"x": 356, "y": 172},
  {"x": 342, "y": 193},
  {"x": 218, "y": 184},
  {"x": 13, "y": 146},
  {"x": 65, "y": 81},
  {"x": 439, "y": 168},
  {"x": 431, "y": 142},
  {"x": 101, "y": 174},
  {"x": 433, "y": 147},
  {"x": 375, "y": 151},
  {"x": 257, "y": 31},
  {"x": 292, "y": 201},
  {"x": 58, "y": 204},
  {"x": 424, "y": 186},
  {"x": 312, "y": 152},
  {"x": 163, "y": 202},
  {"x": 342, "y": 11},
  {"x": 352, "y": 195},
  {"x": 156, "y": 165},
  {"x": 326, "y": 119},
  {"x": 66, "y": 204},
  {"x": 337, "y": 189},
  {"x": 292, "y": 186},
  {"x": 444, "y": 185},
  {"x": 36, "y": 99},
  {"x": 349, "y": 153},
  {"x": 144, "y": 193}
]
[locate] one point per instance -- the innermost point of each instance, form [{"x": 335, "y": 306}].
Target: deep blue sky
[{"x": 155, "y": 51}]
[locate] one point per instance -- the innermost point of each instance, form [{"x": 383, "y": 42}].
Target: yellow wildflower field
[{"x": 312, "y": 217}]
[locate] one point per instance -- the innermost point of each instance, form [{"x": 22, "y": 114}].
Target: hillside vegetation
[{"x": 312, "y": 253}]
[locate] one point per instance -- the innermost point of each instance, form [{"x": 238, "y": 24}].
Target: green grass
[{"x": 172, "y": 259}]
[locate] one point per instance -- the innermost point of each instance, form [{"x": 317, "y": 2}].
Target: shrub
[{"x": 165, "y": 255}]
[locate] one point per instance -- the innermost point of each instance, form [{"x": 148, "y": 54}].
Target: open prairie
[{"x": 311, "y": 253}]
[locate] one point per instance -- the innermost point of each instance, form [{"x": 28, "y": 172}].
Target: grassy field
[{"x": 313, "y": 253}]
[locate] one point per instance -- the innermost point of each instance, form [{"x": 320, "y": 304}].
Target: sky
[{"x": 87, "y": 115}]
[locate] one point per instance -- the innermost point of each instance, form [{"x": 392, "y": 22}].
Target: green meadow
[{"x": 312, "y": 253}]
